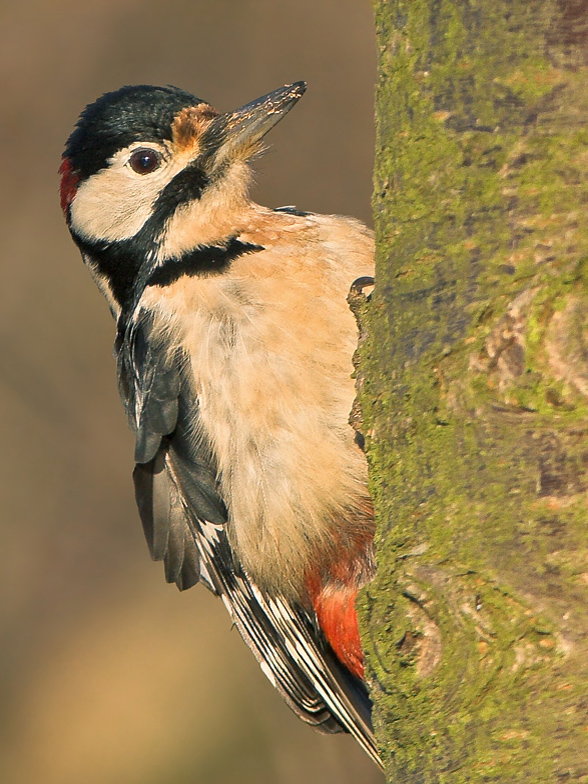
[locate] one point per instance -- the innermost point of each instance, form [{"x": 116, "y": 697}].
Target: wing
[
  {"x": 184, "y": 519},
  {"x": 175, "y": 478}
]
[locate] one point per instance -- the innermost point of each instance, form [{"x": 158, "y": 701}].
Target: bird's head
[{"x": 150, "y": 170}]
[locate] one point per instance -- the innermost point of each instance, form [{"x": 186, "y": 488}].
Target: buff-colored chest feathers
[{"x": 271, "y": 343}]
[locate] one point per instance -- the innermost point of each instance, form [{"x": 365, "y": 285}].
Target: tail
[
  {"x": 285, "y": 638},
  {"x": 291, "y": 651}
]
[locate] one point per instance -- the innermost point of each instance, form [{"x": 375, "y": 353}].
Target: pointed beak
[{"x": 237, "y": 134}]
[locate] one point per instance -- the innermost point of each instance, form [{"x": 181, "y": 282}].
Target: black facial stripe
[
  {"x": 127, "y": 263},
  {"x": 212, "y": 259},
  {"x": 185, "y": 187}
]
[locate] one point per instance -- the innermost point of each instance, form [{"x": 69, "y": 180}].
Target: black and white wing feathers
[
  {"x": 184, "y": 519},
  {"x": 174, "y": 473}
]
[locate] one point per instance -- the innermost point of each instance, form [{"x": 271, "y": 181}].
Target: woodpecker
[{"x": 234, "y": 349}]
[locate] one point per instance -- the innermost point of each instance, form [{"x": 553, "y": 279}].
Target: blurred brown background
[{"x": 107, "y": 675}]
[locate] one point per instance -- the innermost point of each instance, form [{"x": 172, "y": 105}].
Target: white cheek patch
[
  {"x": 115, "y": 202},
  {"x": 110, "y": 207}
]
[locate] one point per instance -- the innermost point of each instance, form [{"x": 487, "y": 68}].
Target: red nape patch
[
  {"x": 335, "y": 612},
  {"x": 69, "y": 185}
]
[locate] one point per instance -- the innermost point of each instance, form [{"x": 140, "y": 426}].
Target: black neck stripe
[
  {"x": 119, "y": 262},
  {"x": 210, "y": 260},
  {"x": 187, "y": 186}
]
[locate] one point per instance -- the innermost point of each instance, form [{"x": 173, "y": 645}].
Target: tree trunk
[{"x": 474, "y": 390}]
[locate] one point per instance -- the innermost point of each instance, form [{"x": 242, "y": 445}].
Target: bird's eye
[{"x": 145, "y": 161}]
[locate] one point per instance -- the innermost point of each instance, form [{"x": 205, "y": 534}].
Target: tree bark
[{"x": 473, "y": 382}]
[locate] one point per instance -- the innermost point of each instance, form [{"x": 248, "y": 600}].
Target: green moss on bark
[{"x": 474, "y": 390}]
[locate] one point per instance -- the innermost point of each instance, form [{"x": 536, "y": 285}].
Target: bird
[{"x": 234, "y": 347}]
